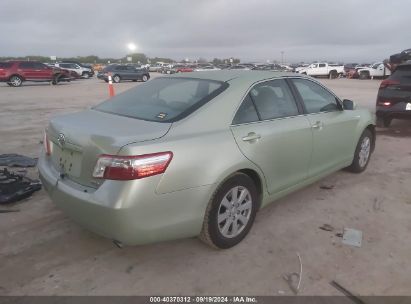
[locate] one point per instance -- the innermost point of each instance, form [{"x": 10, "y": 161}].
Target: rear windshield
[
  {"x": 163, "y": 99},
  {"x": 402, "y": 73},
  {"x": 5, "y": 65}
]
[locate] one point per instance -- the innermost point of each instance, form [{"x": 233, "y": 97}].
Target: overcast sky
[{"x": 253, "y": 30}]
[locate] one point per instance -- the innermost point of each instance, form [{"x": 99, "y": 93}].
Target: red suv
[{"x": 15, "y": 72}]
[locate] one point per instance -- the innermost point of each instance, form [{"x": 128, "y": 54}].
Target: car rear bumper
[
  {"x": 126, "y": 211},
  {"x": 396, "y": 111}
]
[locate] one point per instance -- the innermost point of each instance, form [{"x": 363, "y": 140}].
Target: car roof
[{"x": 229, "y": 75}]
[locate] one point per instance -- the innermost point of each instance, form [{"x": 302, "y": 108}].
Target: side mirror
[{"x": 348, "y": 104}]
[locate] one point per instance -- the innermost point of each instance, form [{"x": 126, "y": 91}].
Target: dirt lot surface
[{"x": 42, "y": 252}]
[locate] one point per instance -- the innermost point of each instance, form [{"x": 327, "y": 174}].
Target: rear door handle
[
  {"x": 251, "y": 137},
  {"x": 318, "y": 125}
]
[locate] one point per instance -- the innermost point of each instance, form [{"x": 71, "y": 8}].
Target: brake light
[
  {"x": 131, "y": 167},
  {"x": 385, "y": 103},
  {"x": 387, "y": 82},
  {"x": 46, "y": 144}
]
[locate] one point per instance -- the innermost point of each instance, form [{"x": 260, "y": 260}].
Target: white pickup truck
[
  {"x": 377, "y": 69},
  {"x": 323, "y": 69}
]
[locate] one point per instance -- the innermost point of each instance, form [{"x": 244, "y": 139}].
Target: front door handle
[
  {"x": 251, "y": 137},
  {"x": 318, "y": 125}
]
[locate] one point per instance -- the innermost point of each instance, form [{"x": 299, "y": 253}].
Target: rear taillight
[
  {"x": 385, "y": 103},
  {"x": 387, "y": 82},
  {"x": 131, "y": 167},
  {"x": 46, "y": 144}
]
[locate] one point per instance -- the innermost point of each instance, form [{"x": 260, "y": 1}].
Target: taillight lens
[
  {"x": 385, "y": 103},
  {"x": 387, "y": 82},
  {"x": 131, "y": 167},
  {"x": 46, "y": 144}
]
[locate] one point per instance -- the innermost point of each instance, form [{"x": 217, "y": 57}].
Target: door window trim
[{"x": 301, "y": 101}]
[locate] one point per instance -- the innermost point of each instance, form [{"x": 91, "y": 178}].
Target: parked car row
[{"x": 15, "y": 72}]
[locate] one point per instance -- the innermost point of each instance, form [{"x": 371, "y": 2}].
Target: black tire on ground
[
  {"x": 211, "y": 234},
  {"x": 357, "y": 166},
  {"x": 384, "y": 122},
  {"x": 134, "y": 80},
  {"x": 86, "y": 75},
  {"x": 56, "y": 79},
  {"x": 116, "y": 78},
  {"x": 333, "y": 74},
  {"x": 15, "y": 81},
  {"x": 144, "y": 78},
  {"x": 364, "y": 76}
]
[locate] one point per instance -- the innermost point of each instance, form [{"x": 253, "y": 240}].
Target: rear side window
[
  {"x": 5, "y": 65},
  {"x": 273, "y": 99},
  {"x": 316, "y": 99},
  {"x": 246, "y": 113},
  {"x": 163, "y": 99},
  {"x": 26, "y": 65},
  {"x": 402, "y": 74}
]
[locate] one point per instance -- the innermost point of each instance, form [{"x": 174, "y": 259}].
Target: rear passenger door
[
  {"x": 333, "y": 128},
  {"x": 270, "y": 132},
  {"x": 27, "y": 70}
]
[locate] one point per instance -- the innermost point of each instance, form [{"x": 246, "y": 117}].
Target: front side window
[
  {"x": 316, "y": 99},
  {"x": 163, "y": 99},
  {"x": 27, "y": 65},
  {"x": 273, "y": 99}
]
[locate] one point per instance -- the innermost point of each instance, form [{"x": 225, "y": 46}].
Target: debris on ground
[
  {"x": 378, "y": 204},
  {"x": 339, "y": 234},
  {"x": 352, "y": 237},
  {"x": 346, "y": 292},
  {"x": 294, "y": 279},
  {"x": 327, "y": 227},
  {"x": 16, "y": 160},
  {"x": 15, "y": 187},
  {"x": 327, "y": 186}
]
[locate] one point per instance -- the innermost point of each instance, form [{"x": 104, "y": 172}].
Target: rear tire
[
  {"x": 15, "y": 81},
  {"x": 333, "y": 74},
  {"x": 144, "y": 78},
  {"x": 230, "y": 212},
  {"x": 384, "y": 122},
  {"x": 362, "y": 152},
  {"x": 364, "y": 76},
  {"x": 116, "y": 78}
]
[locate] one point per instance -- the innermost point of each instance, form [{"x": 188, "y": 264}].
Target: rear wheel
[
  {"x": 362, "y": 152},
  {"x": 230, "y": 212},
  {"x": 116, "y": 78},
  {"x": 144, "y": 78},
  {"x": 364, "y": 76},
  {"x": 15, "y": 81},
  {"x": 333, "y": 74},
  {"x": 384, "y": 122}
]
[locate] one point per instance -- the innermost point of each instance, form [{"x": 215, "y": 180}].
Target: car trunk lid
[{"x": 76, "y": 140}]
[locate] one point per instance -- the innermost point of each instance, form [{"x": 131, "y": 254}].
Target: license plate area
[{"x": 66, "y": 161}]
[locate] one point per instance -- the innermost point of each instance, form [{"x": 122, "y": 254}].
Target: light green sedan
[{"x": 199, "y": 154}]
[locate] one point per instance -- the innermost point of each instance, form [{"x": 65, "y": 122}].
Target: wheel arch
[
  {"x": 20, "y": 76},
  {"x": 374, "y": 135}
]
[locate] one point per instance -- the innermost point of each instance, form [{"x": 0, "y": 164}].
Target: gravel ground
[{"x": 42, "y": 252}]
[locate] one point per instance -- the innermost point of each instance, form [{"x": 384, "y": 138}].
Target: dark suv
[
  {"x": 394, "y": 96},
  {"x": 124, "y": 72},
  {"x": 15, "y": 72}
]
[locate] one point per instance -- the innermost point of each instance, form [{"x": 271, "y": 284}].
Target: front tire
[
  {"x": 144, "y": 78},
  {"x": 230, "y": 212},
  {"x": 15, "y": 81},
  {"x": 362, "y": 152}
]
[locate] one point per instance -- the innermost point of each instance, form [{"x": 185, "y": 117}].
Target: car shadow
[{"x": 398, "y": 128}]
